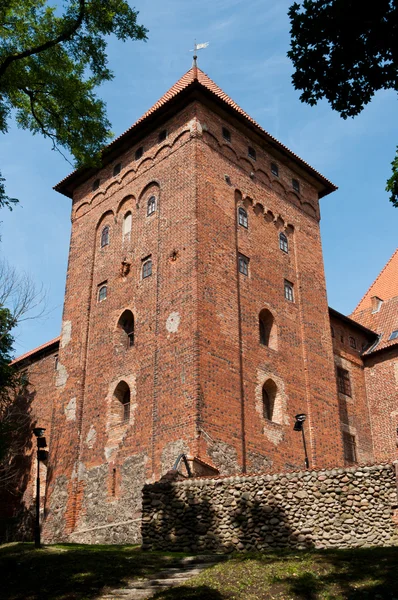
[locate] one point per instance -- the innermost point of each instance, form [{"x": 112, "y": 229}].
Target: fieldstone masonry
[{"x": 335, "y": 508}]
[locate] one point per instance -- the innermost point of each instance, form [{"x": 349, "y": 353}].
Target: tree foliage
[
  {"x": 50, "y": 66},
  {"x": 345, "y": 51}
]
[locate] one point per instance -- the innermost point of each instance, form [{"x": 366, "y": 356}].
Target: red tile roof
[
  {"x": 35, "y": 350},
  {"x": 385, "y": 320},
  {"x": 195, "y": 75},
  {"x": 385, "y": 286}
]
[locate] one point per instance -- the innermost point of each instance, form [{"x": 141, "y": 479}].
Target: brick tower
[{"x": 195, "y": 317}]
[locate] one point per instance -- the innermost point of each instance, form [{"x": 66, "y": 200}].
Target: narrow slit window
[
  {"x": 242, "y": 217},
  {"x": 102, "y": 293},
  {"x": 251, "y": 153},
  {"x": 139, "y": 152},
  {"x": 105, "y": 236},
  {"x": 283, "y": 243},
  {"x": 296, "y": 185},
  {"x": 126, "y": 406},
  {"x": 147, "y": 268},
  {"x": 116, "y": 169},
  {"x": 243, "y": 262},
  {"x": 113, "y": 488},
  {"x": 289, "y": 295},
  {"x": 96, "y": 184},
  {"x": 275, "y": 169},
  {"x": 151, "y": 206},
  {"x": 226, "y": 134}
]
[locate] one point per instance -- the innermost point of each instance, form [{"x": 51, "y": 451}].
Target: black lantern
[{"x": 299, "y": 426}]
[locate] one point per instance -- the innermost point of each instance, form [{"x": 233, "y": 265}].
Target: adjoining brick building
[{"x": 196, "y": 320}]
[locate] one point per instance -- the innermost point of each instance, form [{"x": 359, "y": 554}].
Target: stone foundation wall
[{"x": 323, "y": 509}]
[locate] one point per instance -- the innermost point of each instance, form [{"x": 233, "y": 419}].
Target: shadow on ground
[
  {"x": 72, "y": 571},
  {"x": 77, "y": 572}
]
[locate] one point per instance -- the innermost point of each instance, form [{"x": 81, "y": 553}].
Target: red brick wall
[
  {"x": 381, "y": 375},
  {"x": 196, "y": 369},
  {"x": 32, "y": 407},
  {"x": 354, "y": 409},
  {"x": 160, "y": 368},
  {"x": 233, "y": 364}
]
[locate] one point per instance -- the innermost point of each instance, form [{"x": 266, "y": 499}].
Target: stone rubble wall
[{"x": 336, "y": 508}]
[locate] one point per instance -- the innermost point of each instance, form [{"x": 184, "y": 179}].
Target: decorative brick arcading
[{"x": 336, "y": 508}]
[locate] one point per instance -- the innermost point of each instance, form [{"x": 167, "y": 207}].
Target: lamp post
[
  {"x": 299, "y": 426},
  {"x": 41, "y": 455}
]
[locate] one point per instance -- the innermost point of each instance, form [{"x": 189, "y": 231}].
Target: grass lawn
[{"x": 77, "y": 572}]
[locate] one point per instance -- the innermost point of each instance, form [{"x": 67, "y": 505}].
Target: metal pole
[
  {"x": 307, "y": 463},
  {"x": 37, "y": 520}
]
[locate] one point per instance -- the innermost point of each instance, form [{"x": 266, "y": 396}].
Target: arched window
[
  {"x": 146, "y": 268},
  {"x": 102, "y": 293},
  {"x": 126, "y": 326},
  {"x": 283, "y": 243},
  {"x": 269, "y": 396},
  {"x": 151, "y": 206},
  {"x": 267, "y": 328},
  {"x": 121, "y": 404},
  {"x": 105, "y": 236},
  {"x": 127, "y": 220},
  {"x": 242, "y": 217}
]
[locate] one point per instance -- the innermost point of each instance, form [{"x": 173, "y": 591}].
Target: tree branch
[{"x": 62, "y": 37}]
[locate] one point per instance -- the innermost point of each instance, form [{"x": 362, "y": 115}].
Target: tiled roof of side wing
[
  {"x": 35, "y": 350},
  {"x": 195, "y": 74},
  {"x": 385, "y": 286}
]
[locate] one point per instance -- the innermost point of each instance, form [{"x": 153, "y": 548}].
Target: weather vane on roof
[{"x": 197, "y": 47}]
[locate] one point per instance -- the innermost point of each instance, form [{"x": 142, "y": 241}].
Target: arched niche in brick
[
  {"x": 151, "y": 189},
  {"x": 125, "y": 329},
  {"x": 106, "y": 219},
  {"x": 267, "y": 329},
  {"x": 120, "y": 406},
  {"x": 104, "y": 222},
  {"x": 269, "y": 398}
]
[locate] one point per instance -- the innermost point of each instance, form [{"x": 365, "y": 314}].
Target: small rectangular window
[
  {"x": 289, "y": 295},
  {"x": 139, "y": 152},
  {"x": 283, "y": 243},
  {"x": 242, "y": 217},
  {"x": 332, "y": 332},
  {"x": 116, "y": 169},
  {"x": 251, "y": 153},
  {"x": 275, "y": 169},
  {"x": 226, "y": 134},
  {"x": 350, "y": 453},
  {"x": 353, "y": 343},
  {"x": 146, "y": 268},
  {"x": 96, "y": 184},
  {"x": 343, "y": 382},
  {"x": 296, "y": 185},
  {"x": 243, "y": 264},
  {"x": 56, "y": 362},
  {"x": 162, "y": 135}
]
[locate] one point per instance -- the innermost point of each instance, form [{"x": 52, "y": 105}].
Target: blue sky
[{"x": 247, "y": 58}]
